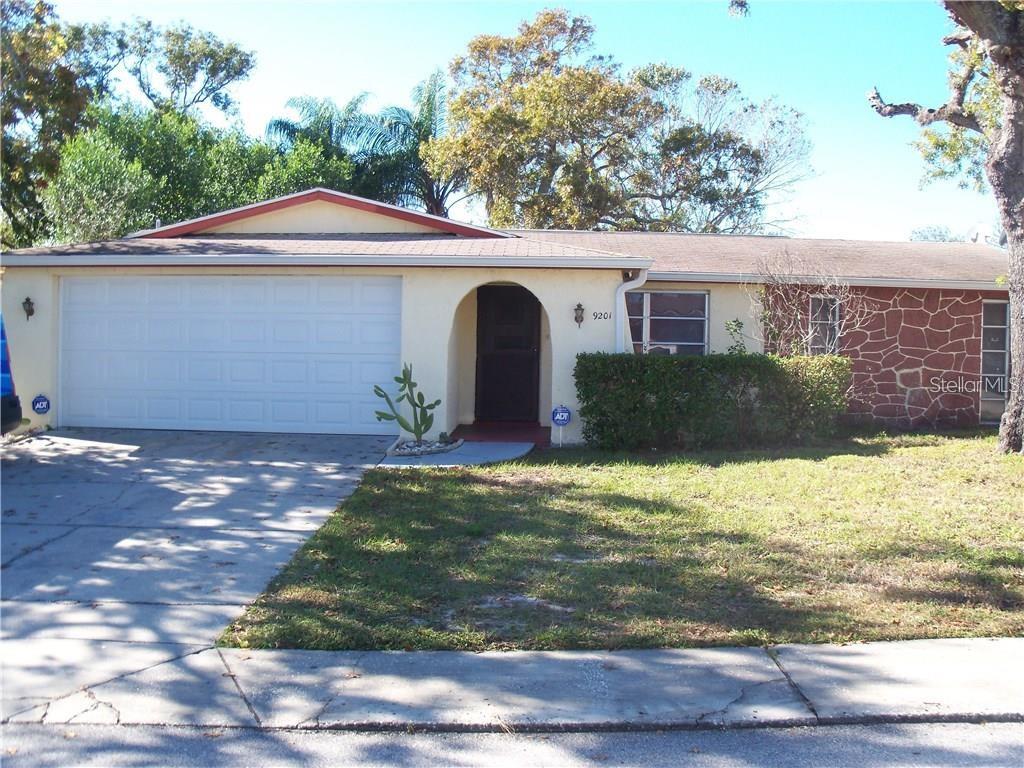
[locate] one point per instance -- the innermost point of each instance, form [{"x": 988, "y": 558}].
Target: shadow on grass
[
  {"x": 466, "y": 562},
  {"x": 543, "y": 553},
  {"x": 854, "y": 442}
]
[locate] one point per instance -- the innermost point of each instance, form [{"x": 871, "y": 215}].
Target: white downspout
[{"x": 620, "y": 308}]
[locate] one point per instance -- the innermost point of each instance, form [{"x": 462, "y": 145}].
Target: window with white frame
[
  {"x": 668, "y": 322},
  {"x": 823, "y": 337},
  {"x": 995, "y": 359}
]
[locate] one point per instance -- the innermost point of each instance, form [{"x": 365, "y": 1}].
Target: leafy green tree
[
  {"x": 99, "y": 193},
  {"x": 392, "y": 142},
  {"x": 198, "y": 169},
  {"x": 172, "y": 147},
  {"x": 711, "y": 162},
  {"x": 341, "y": 134},
  {"x": 234, "y": 165},
  {"x": 305, "y": 164},
  {"x": 51, "y": 72},
  {"x": 552, "y": 135},
  {"x": 540, "y": 127},
  {"x": 179, "y": 68}
]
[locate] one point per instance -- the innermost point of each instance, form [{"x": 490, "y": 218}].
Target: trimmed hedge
[{"x": 632, "y": 401}]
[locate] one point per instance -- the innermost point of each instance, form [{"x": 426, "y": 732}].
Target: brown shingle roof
[
  {"x": 684, "y": 255},
  {"x": 848, "y": 259},
  {"x": 323, "y": 245}
]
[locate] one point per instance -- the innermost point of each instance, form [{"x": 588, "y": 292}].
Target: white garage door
[{"x": 267, "y": 354}]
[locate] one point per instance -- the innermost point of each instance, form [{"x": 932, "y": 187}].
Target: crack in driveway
[{"x": 143, "y": 588}]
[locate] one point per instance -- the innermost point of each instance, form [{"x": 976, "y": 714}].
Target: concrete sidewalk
[{"x": 978, "y": 680}]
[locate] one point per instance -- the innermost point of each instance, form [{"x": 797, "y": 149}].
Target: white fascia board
[
  {"x": 307, "y": 260},
  {"x": 867, "y": 282}
]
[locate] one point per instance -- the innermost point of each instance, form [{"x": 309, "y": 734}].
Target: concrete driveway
[{"x": 122, "y": 549}]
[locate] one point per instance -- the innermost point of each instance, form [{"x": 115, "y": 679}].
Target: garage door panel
[
  {"x": 378, "y": 295},
  {"x": 165, "y": 333},
  {"x": 247, "y": 333},
  {"x": 167, "y": 409},
  {"x": 204, "y": 370},
  {"x": 288, "y": 332},
  {"x": 337, "y": 296},
  {"x": 374, "y": 334},
  {"x": 160, "y": 372},
  {"x": 245, "y": 296},
  {"x": 81, "y": 293},
  {"x": 331, "y": 331},
  {"x": 168, "y": 293},
  {"x": 233, "y": 353},
  {"x": 127, "y": 294}
]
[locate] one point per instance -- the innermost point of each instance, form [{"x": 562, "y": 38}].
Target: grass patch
[{"x": 870, "y": 538}]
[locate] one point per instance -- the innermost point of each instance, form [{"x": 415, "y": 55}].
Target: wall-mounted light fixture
[
  {"x": 578, "y": 313},
  {"x": 29, "y": 306}
]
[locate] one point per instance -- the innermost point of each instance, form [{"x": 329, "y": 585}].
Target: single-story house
[{"x": 283, "y": 315}]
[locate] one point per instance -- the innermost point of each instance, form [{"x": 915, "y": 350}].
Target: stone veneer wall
[{"x": 914, "y": 337}]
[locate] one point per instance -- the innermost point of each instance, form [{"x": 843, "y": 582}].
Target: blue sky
[{"x": 819, "y": 57}]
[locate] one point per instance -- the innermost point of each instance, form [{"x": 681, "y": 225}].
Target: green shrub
[{"x": 650, "y": 401}]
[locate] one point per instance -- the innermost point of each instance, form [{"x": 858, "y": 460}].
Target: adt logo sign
[
  {"x": 41, "y": 404},
  {"x": 561, "y": 416}
]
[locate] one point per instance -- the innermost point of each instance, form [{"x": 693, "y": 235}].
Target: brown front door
[{"x": 507, "y": 354}]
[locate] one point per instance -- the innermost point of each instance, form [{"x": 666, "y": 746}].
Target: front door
[{"x": 507, "y": 354}]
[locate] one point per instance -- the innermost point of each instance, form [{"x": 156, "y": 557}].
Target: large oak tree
[
  {"x": 552, "y": 135},
  {"x": 985, "y": 118}
]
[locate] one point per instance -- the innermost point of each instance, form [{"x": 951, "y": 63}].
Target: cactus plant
[{"x": 422, "y": 418}]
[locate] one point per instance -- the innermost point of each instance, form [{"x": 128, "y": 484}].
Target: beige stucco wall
[
  {"x": 31, "y": 343},
  {"x": 318, "y": 217},
  {"x": 443, "y": 361},
  {"x": 726, "y": 301}
]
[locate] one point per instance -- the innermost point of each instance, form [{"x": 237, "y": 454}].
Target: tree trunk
[
  {"x": 1011, "y": 428},
  {"x": 1005, "y": 170}
]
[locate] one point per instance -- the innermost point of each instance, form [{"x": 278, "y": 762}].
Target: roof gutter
[
  {"x": 867, "y": 282},
  {"x": 312, "y": 260},
  {"x": 620, "y": 307}
]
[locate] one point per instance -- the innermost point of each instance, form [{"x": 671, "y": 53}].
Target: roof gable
[{"x": 320, "y": 211}]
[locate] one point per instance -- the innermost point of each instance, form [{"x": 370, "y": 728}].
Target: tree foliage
[
  {"x": 339, "y": 133},
  {"x": 198, "y": 170},
  {"x": 936, "y": 233},
  {"x": 958, "y": 152},
  {"x": 51, "y": 72},
  {"x": 99, "y": 192},
  {"x": 304, "y": 165},
  {"x": 337, "y": 130},
  {"x": 178, "y": 68},
  {"x": 978, "y": 133},
  {"x": 393, "y": 142},
  {"x": 552, "y": 135},
  {"x": 712, "y": 162},
  {"x": 382, "y": 151}
]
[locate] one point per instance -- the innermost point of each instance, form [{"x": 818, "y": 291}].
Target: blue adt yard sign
[
  {"x": 41, "y": 404},
  {"x": 561, "y": 416}
]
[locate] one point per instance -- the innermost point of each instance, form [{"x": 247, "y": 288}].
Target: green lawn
[{"x": 861, "y": 539}]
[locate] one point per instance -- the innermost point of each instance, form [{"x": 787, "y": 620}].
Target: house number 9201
[{"x": 602, "y": 315}]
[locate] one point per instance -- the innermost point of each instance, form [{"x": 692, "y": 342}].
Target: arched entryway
[{"x": 500, "y": 357}]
